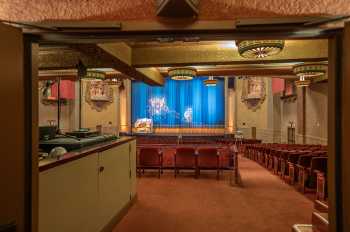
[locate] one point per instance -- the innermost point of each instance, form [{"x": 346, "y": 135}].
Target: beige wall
[
  {"x": 274, "y": 116},
  {"x": 261, "y": 118},
  {"x": 288, "y": 114},
  {"x": 90, "y": 116},
  {"x": 316, "y": 104},
  {"x": 110, "y": 113},
  {"x": 316, "y": 113},
  {"x": 68, "y": 119}
]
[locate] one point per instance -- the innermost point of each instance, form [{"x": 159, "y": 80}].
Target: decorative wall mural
[
  {"x": 253, "y": 92},
  {"x": 98, "y": 94}
]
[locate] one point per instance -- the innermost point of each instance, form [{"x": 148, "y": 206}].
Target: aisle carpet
[{"x": 185, "y": 204}]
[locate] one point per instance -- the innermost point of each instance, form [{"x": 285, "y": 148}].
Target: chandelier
[
  {"x": 310, "y": 69},
  {"x": 302, "y": 82},
  {"x": 94, "y": 74},
  {"x": 182, "y": 74},
  {"x": 114, "y": 79},
  {"x": 210, "y": 81},
  {"x": 307, "y": 71},
  {"x": 259, "y": 48}
]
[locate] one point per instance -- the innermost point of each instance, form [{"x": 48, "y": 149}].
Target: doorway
[{"x": 337, "y": 126}]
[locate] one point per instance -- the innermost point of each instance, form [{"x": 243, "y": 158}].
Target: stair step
[
  {"x": 321, "y": 206},
  {"x": 320, "y": 221},
  {"x": 302, "y": 228}
]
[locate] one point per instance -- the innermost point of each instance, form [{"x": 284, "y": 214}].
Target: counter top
[{"x": 49, "y": 163}]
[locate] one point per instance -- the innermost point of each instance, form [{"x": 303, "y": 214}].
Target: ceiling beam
[
  {"x": 116, "y": 56},
  {"x": 221, "y": 54},
  {"x": 248, "y": 71},
  {"x": 120, "y": 55}
]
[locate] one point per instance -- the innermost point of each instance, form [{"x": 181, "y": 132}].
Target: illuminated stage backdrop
[{"x": 180, "y": 103}]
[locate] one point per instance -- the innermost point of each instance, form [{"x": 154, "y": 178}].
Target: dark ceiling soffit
[
  {"x": 91, "y": 56},
  {"x": 177, "y": 8},
  {"x": 113, "y": 62},
  {"x": 241, "y": 62},
  {"x": 84, "y": 38}
]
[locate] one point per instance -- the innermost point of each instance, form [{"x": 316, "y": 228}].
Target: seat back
[
  {"x": 149, "y": 157},
  {"x": 305, "y": 160},
  {"x": 208, "y": 157},
  {"x": 319, "y": 164},
  {"x": 207, "y": 152},
  {"x": 185, "y": 157}
]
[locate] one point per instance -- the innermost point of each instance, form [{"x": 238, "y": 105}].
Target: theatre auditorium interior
[{"x": 175, "y": 115}]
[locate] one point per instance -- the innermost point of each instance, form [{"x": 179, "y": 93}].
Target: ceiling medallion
[
  {"x": 259, "y": 48},
  {"x": 210, "y": 81},
  {"x": 182, "y": 74}
]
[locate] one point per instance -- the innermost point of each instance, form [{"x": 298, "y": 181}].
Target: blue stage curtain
[{"x": 180, "y": 103}]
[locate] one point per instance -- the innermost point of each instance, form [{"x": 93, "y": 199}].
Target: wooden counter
[
  {"x": 88, "y": 190},
  {"x": 49, "y": 163}
]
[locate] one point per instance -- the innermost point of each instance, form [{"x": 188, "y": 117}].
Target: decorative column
[{"x": 301, "y": 116}]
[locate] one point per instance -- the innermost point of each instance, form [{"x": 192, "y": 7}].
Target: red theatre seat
[
  {"x": 208, "y": 159},
  {"x": 150, "y": 158},
  {"x": 185, "y": 158}
]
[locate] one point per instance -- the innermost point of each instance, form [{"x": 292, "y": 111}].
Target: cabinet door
[
  {"x": 68, "y": 197},
  {"x": 132, "y": 168},
  {"x": 114, "y": 182}
]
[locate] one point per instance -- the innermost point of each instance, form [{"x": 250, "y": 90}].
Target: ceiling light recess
[
  {"x": 182, "y": 73},
  {"x": 259, "y": 48}
]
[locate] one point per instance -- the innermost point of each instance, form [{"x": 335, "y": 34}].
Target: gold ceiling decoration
[
  {"x": 210, "y": 81},
  {"x": 94, "y": 74},
  {"x": 302, "y": 82},
  {"x": 307, "y": 71},
  {"x": 310, "y": 69},
  {"x": 182, "y": 73},
  {"x": 115, "y": 79},
  {"x": 259, "y": 48}
]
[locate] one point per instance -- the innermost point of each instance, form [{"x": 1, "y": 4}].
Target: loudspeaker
[{"x": 231, "y": 83}]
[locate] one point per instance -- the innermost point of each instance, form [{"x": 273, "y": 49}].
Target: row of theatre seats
[
  {"x": 193, "y": 153},
  {"x": 187, "y": 158},
  {"x": 302, "y": 165},
  {"x": 305, "y": 167}
]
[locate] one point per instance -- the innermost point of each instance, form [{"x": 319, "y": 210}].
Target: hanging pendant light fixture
[
  {"x": 310, "y": 69},
  {"x": 210, "y": 81},
  {"x": 302, "y": 82},
  {"x": 94, "y": 74},
  {"x": 182, "y": 73},
  {"x": 259, "y": 48},
  {"x": 307, "y": 71},
  {"x": 115, "y": 79}
]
